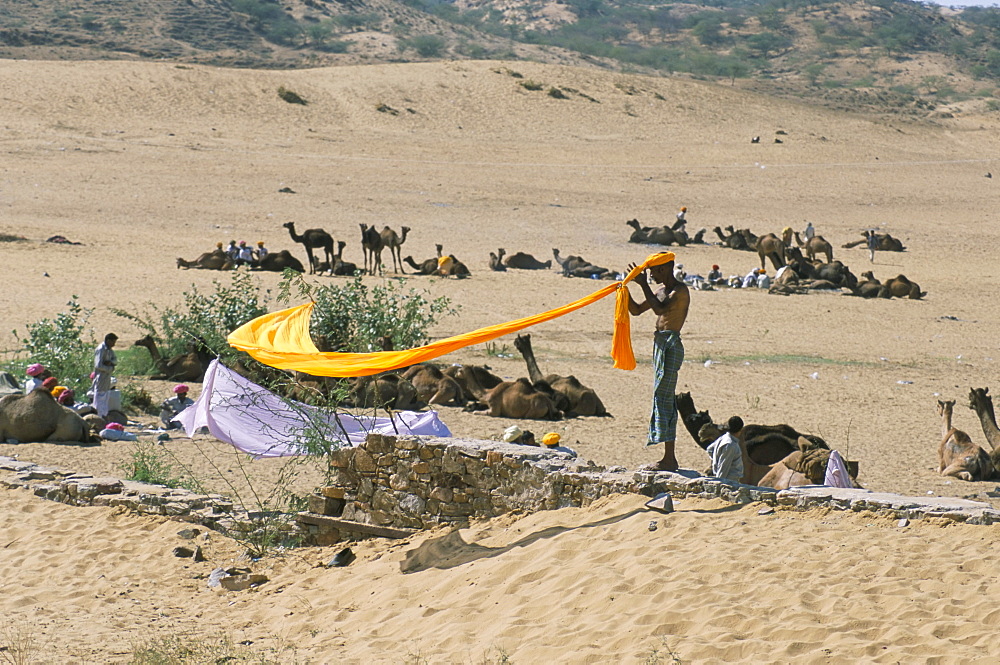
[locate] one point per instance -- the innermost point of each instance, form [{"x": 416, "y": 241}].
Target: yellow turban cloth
[{"x": 281, "y": 339}]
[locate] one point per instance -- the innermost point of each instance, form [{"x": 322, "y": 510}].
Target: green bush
[
  {"x": 290, "y": 96},
  {"x": 61, "y": 345},
  {"x": 426, "y": 46},
  {"x": 149, "y": 462}
]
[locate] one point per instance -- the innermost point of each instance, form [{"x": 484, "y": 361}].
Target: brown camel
[
  {"x": 182, "y": 367},
  {"x": 516, "y": 399},
  {"x": 733, "y": 240},
  {"x": 312, "y": 239},
  {"x": 434, "y": 386},
  {"x": 37, "y": 417},
  {"x": 384, "y": 391},
  {"x": 900, "y": 287},
  {"x": 278, "y": 261},
  {"x": 869, "y": 287},
  {"x": 958, "y": 456},
  {"x": 579, "y": 399},
  {"x": 371, "y": 244},
  {"x": 655, "y": 235},
  {"x": 469, "y": 377},
  {"x": 981, "y": 402},
  {"x": 393, "y": 241},
  {"x": 770, "y": 247},
  {"x": 428, "y": 267},
  {"x": 523, "y": 261},
  {"x": 496, "y": 261},
  {"x": 577, "y": 266},
  {"x": 886, "y": 243},
  {"x": 340, "y": 266},
  {"x": 804, "y": 466},
  {"x": 815, "y": 245},
  {"x": 214, "y": 260}
]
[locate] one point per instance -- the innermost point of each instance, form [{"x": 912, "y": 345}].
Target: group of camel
[{"x": 958, "y": 455}]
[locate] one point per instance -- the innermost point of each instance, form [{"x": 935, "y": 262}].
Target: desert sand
[{"x": 144, "y": 163}]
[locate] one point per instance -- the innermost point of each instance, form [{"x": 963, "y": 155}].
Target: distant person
[
  {"x": 233, "y": 251},
  {"x": 551, "y": 442},
  {"x": 763, "y": 281},
  {"x": 36, "y": 375},
  {"x": 171, "y": 407},
  {"x": 261, "y": 251},
  {"x": 681, "y": 219},
  {"x": 715, "y": 275},
  {"x": 50, "y": 384},
  {"x": 872, "y": 245},
  {"x": 726, "y": 453},
  {"x": 809, "y": 233},
  {"x": 750, "y": 279},
  {"x": 105, "y": 361}
]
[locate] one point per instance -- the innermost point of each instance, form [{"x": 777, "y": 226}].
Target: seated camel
[
  {"x": 428, "y": 267},
  {"x": 655, "y": 235},
  {"x": 981, "y": 402},
  {"x": 804, "y": 466},
  {"x": 886, "y": 243},
  {"x": 572, "y": 397},
  {"x": 278, "y": 261},
  {"x": 496, "y": 261},
  {"x": 434, "y": 386},
  {"x": 189, "y": 366},
  {"x": 473, "y": 378},
  {"x": 515, "y": 399},
  {"x": 37, "y": 417},
  {"x": 732, "y": 239},
  {"x": 384, "y": 391},
  {"x": 958, "y": 456},
  {"x": 214, "y": 260},
  {"x": 523, "y": 261},
  {"x": 577, "y": 266},
  {"x": 900, "y": 287}
]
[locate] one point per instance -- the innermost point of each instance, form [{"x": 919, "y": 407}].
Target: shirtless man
[{"x": 670, "y": 304}]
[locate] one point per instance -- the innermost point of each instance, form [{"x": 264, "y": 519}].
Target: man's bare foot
[{"x": 662, "y": 465}]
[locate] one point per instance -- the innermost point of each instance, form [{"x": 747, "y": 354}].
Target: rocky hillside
[{"x": 885, "y": 55}]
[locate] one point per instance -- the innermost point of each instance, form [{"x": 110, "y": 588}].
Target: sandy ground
[{"x": 147, "y": 162}]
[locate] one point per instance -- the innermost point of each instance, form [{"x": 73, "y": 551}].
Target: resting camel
[
  {"x": 371, "y": 244},
  {"x": 815, "y": 245},
  {"x": 428, "y": 267},
  {"x": 182, "y": 367},
  {"x": 958, "y": 456},
  {"x": 214, "y": 260},
  {"x": 804, "y": 466},
  {"x": 659, "y": 235},
  {"x": 733, "y": 240},
  {"x": 340, "y": 266},
  {"x": 763, "y": 445},
  {"x": 468, "y": 376},
  {"x": 981, "y": 402},
  {"x": 434, "y": 386},
  {"x": 515, "y": 399},
  {"x": 278, "y": 261},
  {"x": 770, "y": 247},
  {"x": 384, "y": 391},
  {"x": 496, "y": 261},
  {"x": 394, "y": 241},
  {"x": 312, "y": 239},
  {"x": 579, "y": 399},
  {"x": 900, "y": 287},
  {"x": 577, "y": 266},
  {"x": 37, "y": 417},
  {"x": 523, "y": 261},
  {"x": 886, "y": 243}
]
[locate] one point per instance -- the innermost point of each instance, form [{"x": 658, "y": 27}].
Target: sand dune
[{"x": 145, "y": 162}]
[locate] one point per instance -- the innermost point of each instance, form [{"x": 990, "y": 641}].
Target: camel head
[
  {"x": 341, "y": 245},
  {"x": 868, "y": 276},
  {"x": 946, "y": 408},
  {"x": 290, "y": 226},
  {"x": 634, "y": 223}
]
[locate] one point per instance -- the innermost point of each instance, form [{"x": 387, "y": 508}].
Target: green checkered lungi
[{"x": 668, "y": 354}]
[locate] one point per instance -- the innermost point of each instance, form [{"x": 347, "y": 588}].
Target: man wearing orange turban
[{"x": 670, "y": 304}]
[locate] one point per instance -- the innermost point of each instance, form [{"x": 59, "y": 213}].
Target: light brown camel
[
  {"x": 371, "y": 245},
  {"x": 770, "y": 247},
  {"x": 428, "y": 267},
  {"x": 886, "y": 243},
  {"x": 214, "y": 260},
  {"x": 37, "y": 417},
  {"x": 312, "y": 239},
  {"x": 523, "y": 261},
  {"x": 815, "y": 245},
  {"x": 182, "y": 367},
  {"x": 473, "y": 376},
  {"x": 393, "y": 241},
  {"x": 958, "y": 456},
  {"x": 577, "y": 266},
  {"x": 340, "y": 266},
  {"x": 900, "y": 287},
  {"x": 384, "y": 391},
  {"x": 655, "y": 235},
  {"x": 579, "y": 399},
  {"x": 516, "y": 399},
  {"x": 869, "y": 287},
  {"x": 805, "y": 466},
  {"x": 434, "y": 386},
  {"x": 496, "y": 261},
  {"x": 981, "y": 402},
  {"x": 278, "y": 261}
]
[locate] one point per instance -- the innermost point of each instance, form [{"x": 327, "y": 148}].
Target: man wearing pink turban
[
  {"x": 36, "y": 376},
  {"x": 173, "y": 406}
]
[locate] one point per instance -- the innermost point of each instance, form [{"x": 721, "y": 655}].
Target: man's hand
[{"x": 640, "y": 279}]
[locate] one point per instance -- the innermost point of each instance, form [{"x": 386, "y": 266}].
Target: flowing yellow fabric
[{"x": 281, "y": 339}]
